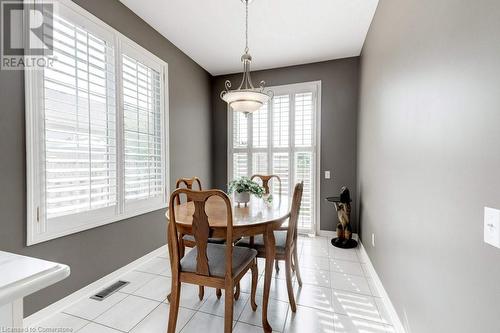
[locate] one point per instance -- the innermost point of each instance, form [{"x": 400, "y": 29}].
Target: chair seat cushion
[
  {"x": 258, "y": 244},
  {"x": 190, "y": 238},
  {"x": 216, "y": 254}
]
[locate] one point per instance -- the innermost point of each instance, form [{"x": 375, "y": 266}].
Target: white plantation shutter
[
  {"x": 303, "y": 120},
  {"x": 79, "y": 123},
  {"x": 303, "y": 163},
  {"x": 260, "y": 165},
  {"x": 281, "y": 115},
  {"x": 280, "y": 139},
  {"x": 142, "y": 130},
  {"x": 260, "y": 128},
  {"x": 281, "y": 167},
  {"x": 240, "y": 126},
  {"x": 240, "y": 165},
  {"x": 96, "y": 129},
  {"x": 304, "y": 172}
]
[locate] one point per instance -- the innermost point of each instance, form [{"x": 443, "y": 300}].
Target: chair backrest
[
  {"x": 188, "y": 183},
  {"x": 265, "y": 181},
  {"x": 200, "y": 228},
  {"x": 292, "y": 233}
]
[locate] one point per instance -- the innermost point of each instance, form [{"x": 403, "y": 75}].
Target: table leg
[{"x": 269, "y": 243}]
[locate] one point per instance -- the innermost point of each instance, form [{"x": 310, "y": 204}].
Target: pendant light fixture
[{"x": 246, "y": 98}]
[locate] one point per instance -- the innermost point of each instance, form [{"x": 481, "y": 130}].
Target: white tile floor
[{"x": 337, "y": 296}]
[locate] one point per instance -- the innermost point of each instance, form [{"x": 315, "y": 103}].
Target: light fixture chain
[{"x": 246, "y": 26}]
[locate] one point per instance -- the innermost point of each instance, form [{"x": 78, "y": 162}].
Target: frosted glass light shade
[{"x": 245, "y": 100}]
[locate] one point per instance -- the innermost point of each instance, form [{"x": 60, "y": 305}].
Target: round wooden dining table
[{"x": 256, "y": 218}]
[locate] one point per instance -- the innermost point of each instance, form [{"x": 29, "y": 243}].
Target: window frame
[
  {"x": 291, "y": 90},
  {"x": 37, "y": 225}
]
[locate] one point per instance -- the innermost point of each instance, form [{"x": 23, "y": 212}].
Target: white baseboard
[
  {"x": 396, "y": 322},
  {"x": 87, "y": 291}
]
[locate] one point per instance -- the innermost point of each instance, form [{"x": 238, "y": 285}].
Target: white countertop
[{"x": 21, "y": 275}]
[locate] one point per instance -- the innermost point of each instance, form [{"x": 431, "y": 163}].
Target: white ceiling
[{"x": 282, "y": 32}]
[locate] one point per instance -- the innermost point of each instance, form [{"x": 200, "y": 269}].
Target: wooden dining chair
[
  {"x": 286, "y": 244},
  {"x": 213, "y": 265},
  {"x": 188, "y": 240},
  {"x": 265, "y": 184},
  {"x": 265, "y": 181},
  {"x": 188, "y": 183}
]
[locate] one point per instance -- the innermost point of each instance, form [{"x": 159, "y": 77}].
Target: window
[
  {"x": 280, "y": 139},
  {"x": 96, "y": 129}
]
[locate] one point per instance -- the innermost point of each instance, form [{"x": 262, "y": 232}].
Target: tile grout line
[
  {"x": 127, "y": 296},
  {"x": 112, "y": 306},
  {"x": 81, "y": 328},
  {"x": 143, "y": 297},
  {"x": 92, "y": 322},
  {"x": 187, "y": 322},
  {"x": 140, "y": 321},
  {"x": 114, "y": 328}
]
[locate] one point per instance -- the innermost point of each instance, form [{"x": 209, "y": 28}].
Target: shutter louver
[
  {"x": 142, "y": 130},
  {"x": 259, "y": 127},
  {"x": 259, "y": 161},
  {"x": 281, "y": 111},
  {"x": 303, "y": 120},
  {"x": 304, "y": 172},
  {"x": 79, "y": 123},
  {"x": 240, "y": 130},
  {"x": 303, "y": 160},
  {"x": 240, "y": 165},
  {"x": 281, "y": 167}
]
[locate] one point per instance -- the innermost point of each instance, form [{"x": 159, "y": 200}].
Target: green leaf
[{"x": 245, "y": 184}]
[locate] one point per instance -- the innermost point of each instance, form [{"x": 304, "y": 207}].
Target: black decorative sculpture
[{"x": 344, "y": 231}]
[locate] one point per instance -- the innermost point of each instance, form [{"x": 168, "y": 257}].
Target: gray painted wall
[
  {"x": 339, "y": 102},
  {"x": 97, "y": 252},
  {"x": 429, "y": 159}
]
